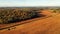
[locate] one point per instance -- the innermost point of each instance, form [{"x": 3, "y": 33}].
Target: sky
[{"x": 16, "y": 3}]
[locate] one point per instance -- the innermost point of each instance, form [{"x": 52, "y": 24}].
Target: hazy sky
[{"x": 6, "y": 3}]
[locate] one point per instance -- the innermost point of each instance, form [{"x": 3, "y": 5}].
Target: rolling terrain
[{"x": 50, "y": 24}]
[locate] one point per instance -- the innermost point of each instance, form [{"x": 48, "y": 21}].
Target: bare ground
[{"x": 49, "y": 25}]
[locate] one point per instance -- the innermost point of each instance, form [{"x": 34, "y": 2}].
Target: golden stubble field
[{"x": 48, "y": 25}]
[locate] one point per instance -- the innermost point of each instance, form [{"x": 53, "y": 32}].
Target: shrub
[{"x": 13, "y": 15}]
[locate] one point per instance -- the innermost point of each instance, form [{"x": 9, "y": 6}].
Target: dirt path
[
  {"x": 45, "y": 12},
  {"x": 50, "y": 25}
]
